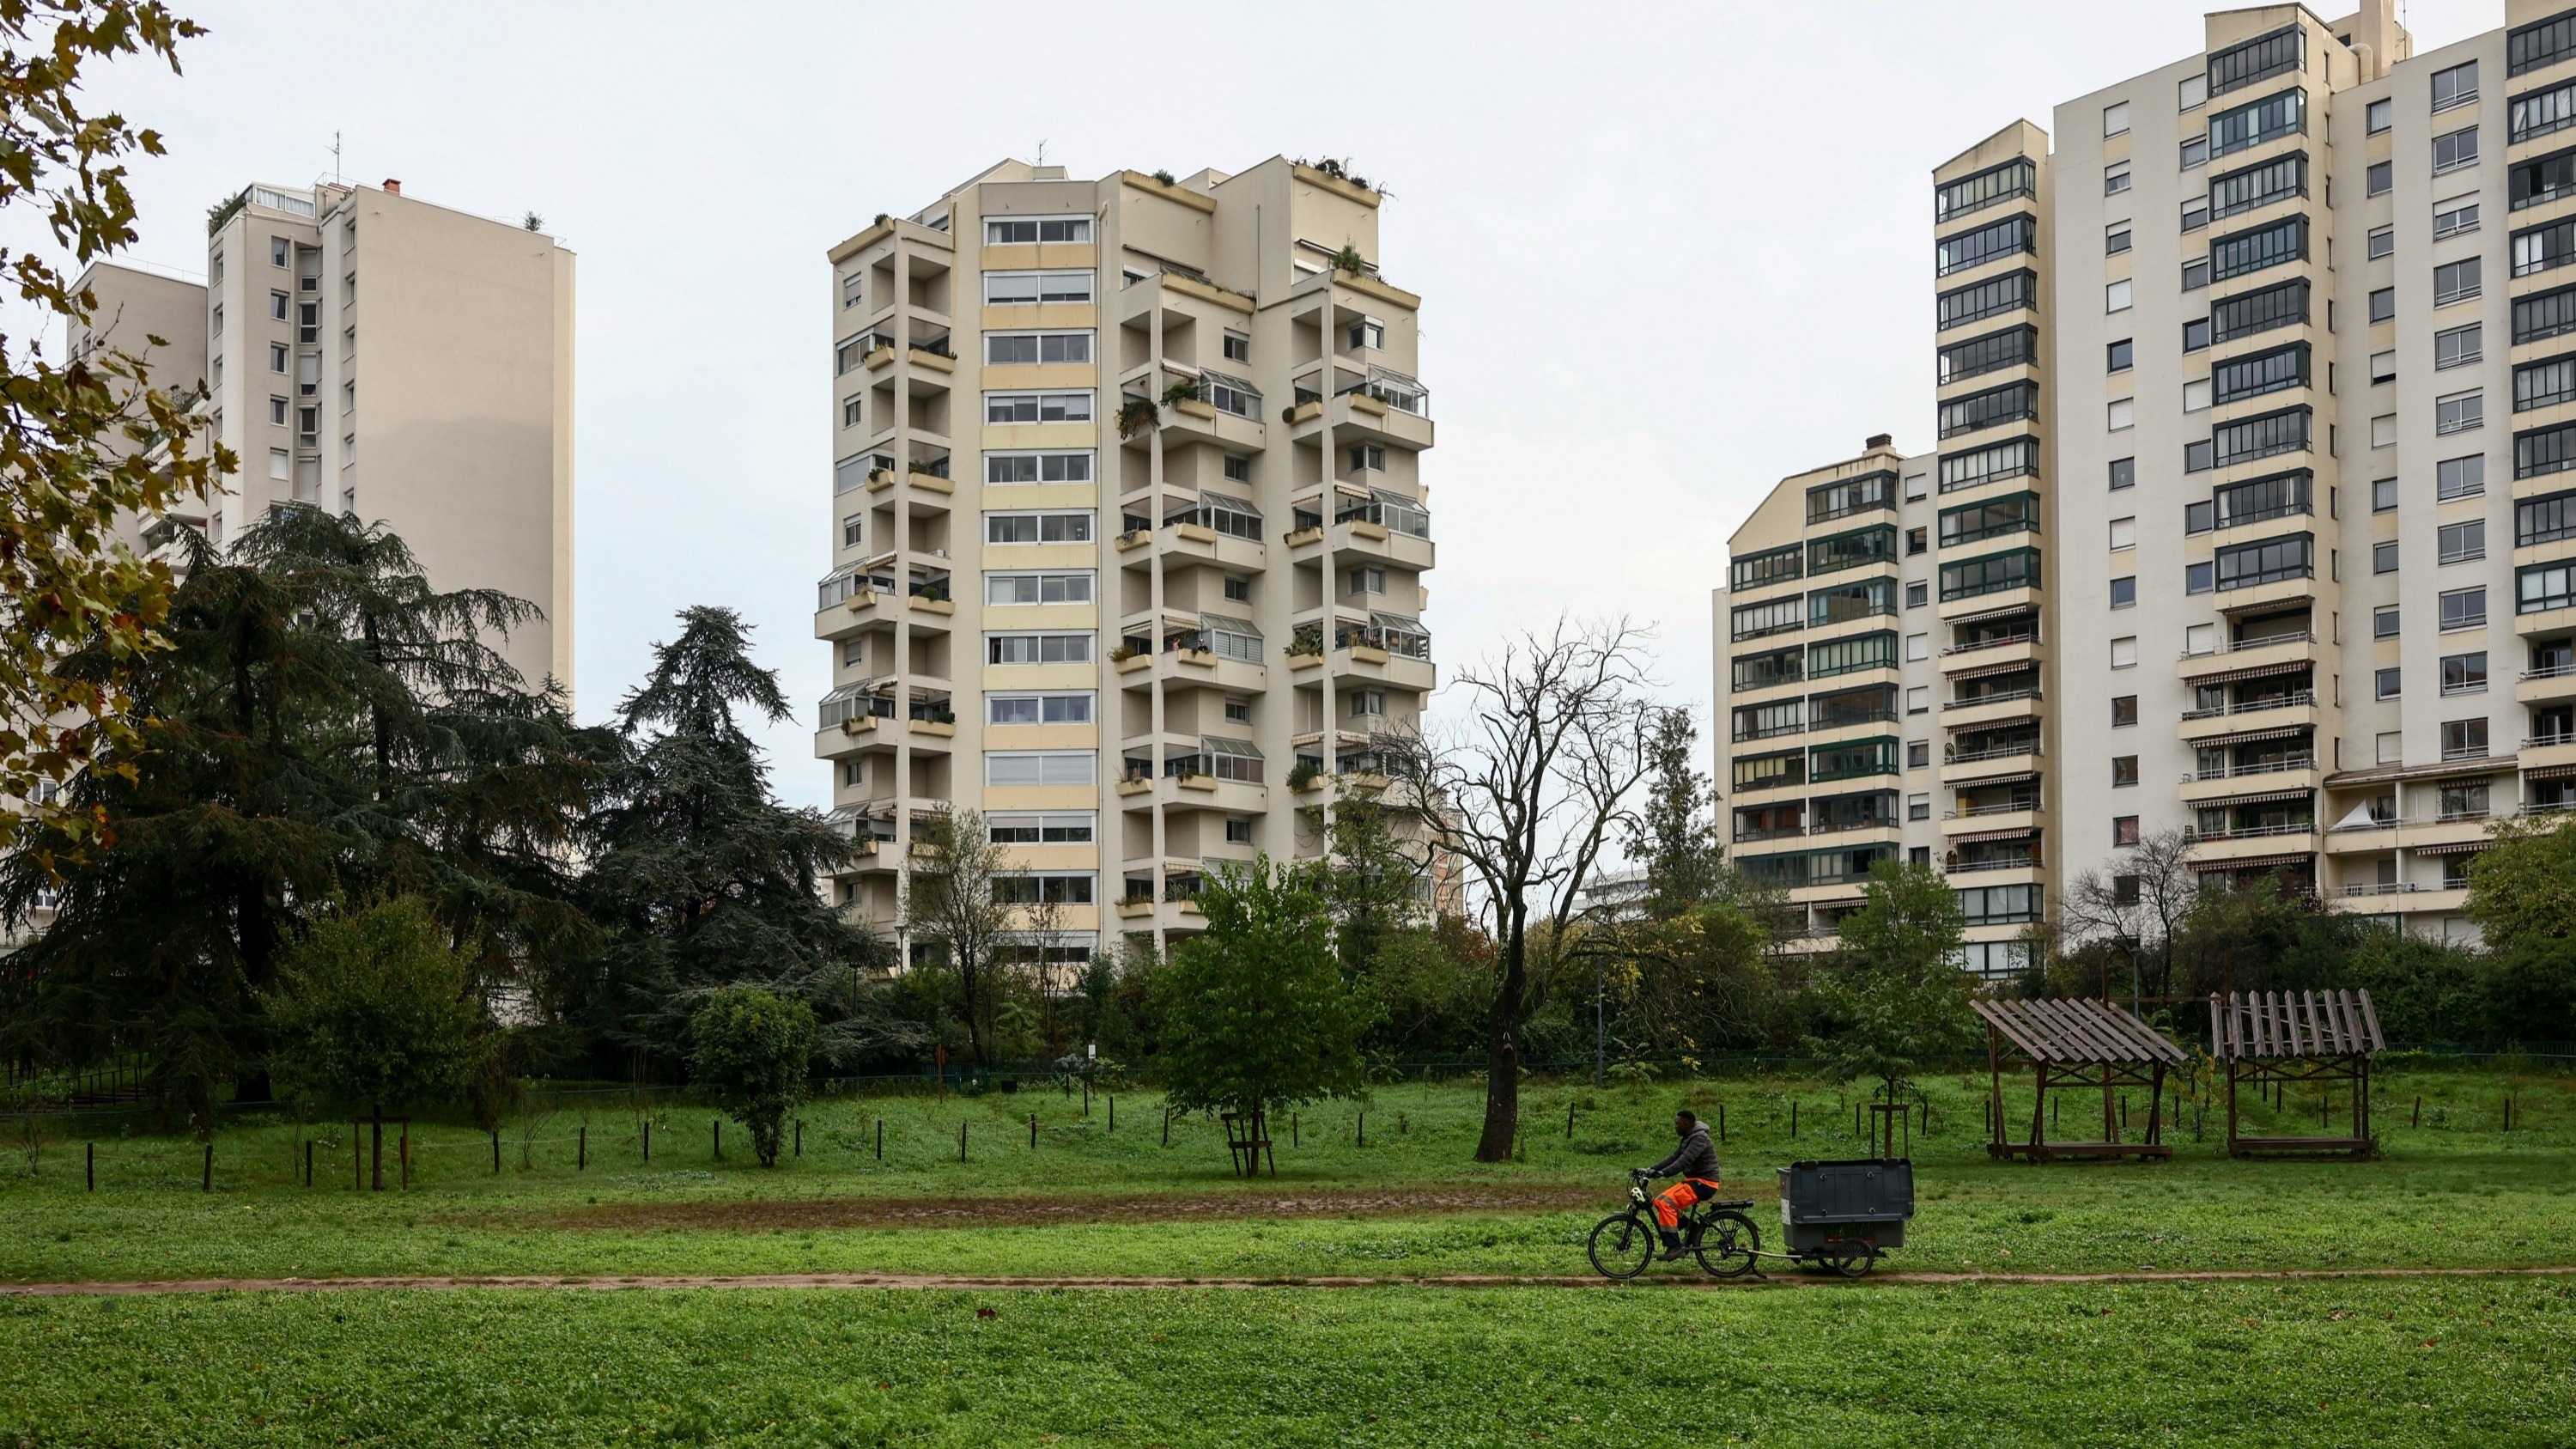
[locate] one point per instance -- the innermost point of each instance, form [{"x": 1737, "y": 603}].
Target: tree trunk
[{"x": 1503, "y": 1057}]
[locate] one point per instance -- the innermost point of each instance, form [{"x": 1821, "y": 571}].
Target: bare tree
[
  {"x": 2139, "y": 903},
  {"x": 951, "y": 901},
  {"x": 1530, "y": 795}
]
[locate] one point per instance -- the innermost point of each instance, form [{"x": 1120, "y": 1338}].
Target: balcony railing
[
  {"x": 2196, "y": 835},
  {"x": 1777, "y": 832},
  {"x": 1996, "y": 696},
  {"x": 2224, "y": 646},
  {"x": 2380, "y": 888},
  {"x": 2009, "y": 862},
  {"x": 2299, "y": 760},
  {"x": 2554, "y": 737},
  {"x": 2549, "y": 671},
  {"x": 2293, "y": 700},
  {"x": 1973, "y": 810},
  {"x": 1844, "y": 827},
  {"x": 1990, "y": 752},
  {"x": 1999, "y": 642}
]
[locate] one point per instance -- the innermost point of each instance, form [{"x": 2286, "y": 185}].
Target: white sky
[{"x": 1667, "y": 258}]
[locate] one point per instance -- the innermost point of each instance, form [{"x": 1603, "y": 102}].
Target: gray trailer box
[{"x": 1867, "y": 1200}]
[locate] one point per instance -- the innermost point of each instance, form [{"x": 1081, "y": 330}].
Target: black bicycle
[{"x": 1718, "y": 1234}]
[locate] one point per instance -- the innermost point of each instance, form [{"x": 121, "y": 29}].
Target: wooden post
[
  {"x": 648, "y": 1139},
  {"x": 210, "y": 1163},
  {"x": 404, "y": 1148},
  {"x": 1363, "y": 1129},
  {"x": 880, "y": 1139},
  {"x": 715, "y": 1134},
  {"x": 1569, "y": 1121},
  {"x": 961, "y": 1142},
  {"x": 308, "y": 1162},
  {"x": 2419, "y": 1111},
  {"x": 1293, "y": 1140},
  {"x": 1033, "y": 1131},
  {"x": 581, "y": 1150},
  {"x": 93, "y": 1167},
  {"x": 357, "y": 1159},
  {"x": 1793, "y": 1121},
  {"x": 1721, "y": 1121},
  {"x": 800, "y": 1137},
  {"x": 1113, "y": 1114},
  {"x": 1167, "y": 1126},
  {"x": 496, "y": 1152}
]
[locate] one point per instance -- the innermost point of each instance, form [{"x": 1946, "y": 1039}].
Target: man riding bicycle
[{"x": 1695, "y": 1162}]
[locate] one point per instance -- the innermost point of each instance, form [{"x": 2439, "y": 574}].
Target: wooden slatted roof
[
  {"x": 2274, "y": 1024},
  {"x": 2075, "y": 1032}
]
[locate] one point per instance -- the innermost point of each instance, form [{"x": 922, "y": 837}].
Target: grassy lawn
[
  {"x": 2456, "y": 1191},
  {"x": 2343, "y": 1363}
]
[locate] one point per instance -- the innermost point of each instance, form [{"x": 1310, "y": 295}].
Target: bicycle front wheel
[
  {"x": 1622, "y": 1246},
  {"x": 1729, "y": 1246}
]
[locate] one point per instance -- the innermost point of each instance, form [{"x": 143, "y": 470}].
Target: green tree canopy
[
  {"x": 751, "y": 1047},
  {"x": 1256, "y": 1013},
  {"x": 2523, "y": 886},
  {"x": 373, "y": 1010},
  {"x": 1674, "y": 836},
  {"x": 1893, "y": 997}
]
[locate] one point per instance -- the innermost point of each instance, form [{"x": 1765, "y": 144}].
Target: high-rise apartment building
[
  {"x": 1129, "y": 530},
  {"x": 441, "y": 405},
  {"x": 2247, "y": 502}
]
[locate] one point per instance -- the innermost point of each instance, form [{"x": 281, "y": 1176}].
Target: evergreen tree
[
  {"x": 1674, "y": 836},
  {"x": 701, "y": 879}
]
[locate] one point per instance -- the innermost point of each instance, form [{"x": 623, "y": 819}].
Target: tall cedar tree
[
  {"x": 703, "y": 880},
  {"x": 292, "y": 763},
  {"x": 1675, "y": 834}
]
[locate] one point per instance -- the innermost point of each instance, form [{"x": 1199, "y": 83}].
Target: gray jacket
[{"x": 1694, "y": 1158}]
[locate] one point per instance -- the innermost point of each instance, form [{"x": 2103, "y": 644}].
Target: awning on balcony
[
  {"x": 2457, "y": 847},
  {"x": 2258, "y": 671},
  {"x": 2265, "y": 798},
  {"x": 2007, "y": 612},
  {"x": 1988, "y": 782},
  {"x": 1239, "y": 749},
  {"x": 1980, "y": 837},
  {"x": 2253, "y": 862},
  {"x": 2018, "y": 666},
  {"x": 2550, "y": 772},
  {"x": 2248, "y": 737}
]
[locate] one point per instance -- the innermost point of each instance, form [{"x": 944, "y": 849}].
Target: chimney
[
  {"x": 1879, "y": 440},
  {"x": 392, "y": 187}
]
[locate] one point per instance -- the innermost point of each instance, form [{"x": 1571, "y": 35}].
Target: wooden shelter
[
  {"x": 2271, "y": 1040},
  {"x": 2077, "y": 1045}
]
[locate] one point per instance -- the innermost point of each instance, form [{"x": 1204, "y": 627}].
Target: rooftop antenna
[
  {"x": 335, "y": 158},
  {"x": 1041, "y": 151}
]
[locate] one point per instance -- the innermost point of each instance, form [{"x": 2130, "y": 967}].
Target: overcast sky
[{"x": 1667, "y": 255}]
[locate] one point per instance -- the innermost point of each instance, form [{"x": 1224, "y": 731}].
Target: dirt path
[
  {"x": 766, "y": 1214},
  {"x": 969, "y": 1283}
]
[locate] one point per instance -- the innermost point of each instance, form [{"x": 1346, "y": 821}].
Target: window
[
  {"x": 1918, "y": 807},
  {"x": 2464, "y": 673},
  {"x": 1917, "y": 540},
  {"x": 2455, "y": 150},
  {"x": 1037, "y": 407},
  {"x": 2464, "y": 739},
  {"x": 2124, "y": 711},
  {"x": 1238, "y": 591},
  {"x": 2285, "y": 240},
  {"x": 2283, "y": 304},
  {"x": 2544, "y": 248},
  {"x": 217, "y": 327},
  {"x": 2195, "y": 213},
  {"x": 1366, "y": 335},
  {"x": 2460, "y": 477},
  {"x": 1003, "y": 289},
  {"x": 1013, "y": 468},
  {"x": 2115, "y": 117},
  {"x": 1917, "y": 595},
  {"x": 2011, "y": 292},
  {"x": 2115, "y": 238},
  {"x": 277, "y": 357},
  {"x": 279, "y": 464},
  {"x": 1855, "y": 549},
  {"x": 2383, "y": 431},
  {"x": 2191, "y": 92},
  {"x": 1067, "y": 888},
  {"x": 2456, "y": 86},
  {"x": 2455, "y": 216},
  {"x": 2387, "y": 683},
  {"x": 1238, "y": 348},
  {"x": 2124, "y": 653},
  {"x": 2381, "y": 115},
  {"x": 2543, "y": 179},
  {"x": 2018, "y": 177},
  {"x": 2279, "y": 495},
  {"x": 1752, "y": 621},
  {"x": 1238, "y": 470},
  {"x": 2118, "y": 296},
  {"x": 1852, "y": 655},
  {"x": 2382, "y": 242},
  {"x": 277, "y": 306},
  {"x": 2248, "y": 126},
  {"x": 2235, "y": 192},
  {"x": 2383, "y": 304},
  {"x": 2463, "y": 609},
  {"x": 1067, "y": 829},
  {"x": 1918, "y": 755},
  {"x": 2115, "y": 178},
  {"x": 2195, "y": 152},
  {"x": 2012, "y": 402},
  {"x": 2195, "y": 335},
  {"x": 2013, "y": 234},
  {"x": 2459, "y": 346},
  {"x": 2124, "y": 473},
  {"x": 1367, "y": 580},
  {"x": 1364, "y": 458},
  {"x": 2547, "y": 519},
  {"x": 2383, "y": 557},
  {"x": 2239, "y": 378},
  {"x": 853, "y": 528},
  {"x": 277, "y": 411},
  {"x": 1918, "y": 700},
  {"x": 2539, "y": 113},
  {"x": 2122, "y": 355},
  {"x": 1037, "y": 527},
  {"x": 1765, "y": 772},
  {"x": 2124, "y": 592},
  {"x": 2383, "y": 367},
  {"x": 2123, "y": 414},
  {"x": 2124, "y": 533},
  {"x": 2199, "y": 457},
  {"x": 2380, "y": 179},
  {"x": 2459, "y": 412},
  {"x": 1994, "y": 518},
  {"x": 1991, "y": 574},
  {"x": 1771, "y": 566},
  {"x": 1368, "y": 703},
  {"x": 1037, "y": 648},
  {"x": 1025, "y": 231},
  {"x": 2544, "y": 450},
  {"x": 2269, "y": 561},
  {"x": 2199, "y": 578},
  {"x": 2262, "y": 436},
  {"x": 2544, "y": 586},
  {"x": 2543, "y": 42},
  {"x": 1238, "y": 711},
  {"x": 1038, "y": 709},
  {"x": 1065, "y": 588},
  {"x": 853, "y": 410},
  {"x": 1993, "y": 352},
  {"x": 2124, "y": 830},
  {"x": 2463, "y": 542},
  {"x": 2016, "y": 458},
  {"x": 1918, "y": 646},
  {"x": 1023, "y": 349},
  {"x": 2383, "y": 622}
]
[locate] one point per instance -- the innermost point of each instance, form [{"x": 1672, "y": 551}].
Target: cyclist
[{"x": 1695, "y": 1162}]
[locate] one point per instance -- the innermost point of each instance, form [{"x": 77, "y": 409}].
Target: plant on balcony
[
  {"x": 1186, "y": 390},
  {"x": 936, "y": 593},
  {"x": 1137, "y": 415},
  {"x": 1165, "y": 177},
  {"x": 1121, "y": 652},
  {"x": 931, "y": 466},
  {"x": 1306, "y": 775},
  {"x": 1307, "y": 640},
  {"x": 1348, "y": 259}
]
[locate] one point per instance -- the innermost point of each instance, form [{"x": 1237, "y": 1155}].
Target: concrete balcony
[
  {"x": 2252, "y": 716},
  {"x": 1375, "y": 543},
  {"x": 1188, "y": 420},
  {"x": 1992, "y": 654},
  {"x": 2297, "y": 772},
  {"x": 1966, "y": 771},
  {"x": 2544, "y": 621},
  {"x": 2546, "y": 686},
  {"x": 857, "y": 737},
  {"x": 2546, "y": 752},
  {"x": 2412, "y": 898},
  {"x": 2267, "y": 598},
  {"x": 1198, "y": 542},
  {"x": 1957, "y": 824},
  {"x": 1356, "y": 415},
  {"x": 1192, "y": 668},
  {"x": 2252, "y": 842},
  {"x": 2001, "y": 707},
  {"x": 2001, "y": 601},
  {"x": 1365, "y": 664},
  {"x": 859, "y": 613},
  {"x": 2269, "y": 652}
]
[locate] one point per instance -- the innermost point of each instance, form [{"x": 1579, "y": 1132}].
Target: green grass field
[{"x": 2344, "y": 1361}]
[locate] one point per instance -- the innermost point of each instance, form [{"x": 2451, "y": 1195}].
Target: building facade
[
  {"x": 1129, "y": 531},
  {"x": 461, "y": 439},
  {"x": 2248, "y": 471}
]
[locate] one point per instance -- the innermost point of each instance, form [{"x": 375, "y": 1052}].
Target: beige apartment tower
[
  {"x": 1129, "y": 531},
  {"x": 2283, "y": 396},
  {"x": 373, "y": 353}
]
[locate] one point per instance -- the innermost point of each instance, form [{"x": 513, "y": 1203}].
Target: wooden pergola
[
  {"x": 2077, "y": 1045},
  {"x": 2274, "y": 1039}
]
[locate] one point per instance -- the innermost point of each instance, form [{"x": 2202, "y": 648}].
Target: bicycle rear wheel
[
  {"x": 1728, "y": 1246},
  {"x": 1622, "y": 1246}
]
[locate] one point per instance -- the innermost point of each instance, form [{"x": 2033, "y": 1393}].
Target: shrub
[{"x": 751, "y": 1049}]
